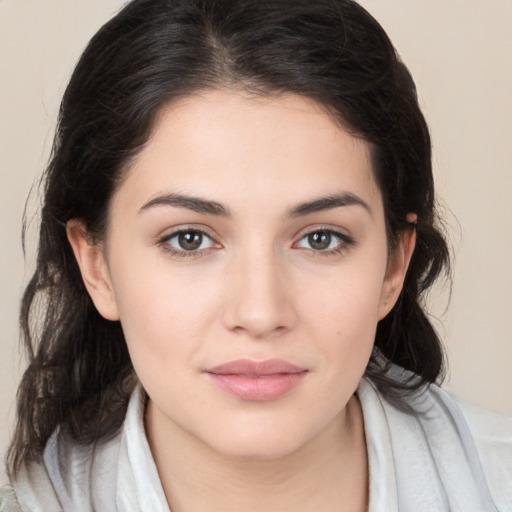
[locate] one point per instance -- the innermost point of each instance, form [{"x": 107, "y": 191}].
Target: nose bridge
[{"x": 259, "y": 303}]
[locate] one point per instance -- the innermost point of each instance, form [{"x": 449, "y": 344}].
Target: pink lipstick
[{"x": 257, "y": 381}]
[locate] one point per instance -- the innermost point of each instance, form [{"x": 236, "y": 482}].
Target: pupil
[
  {"x": 319, "y": 240},
  {"x": 190, "y": 241}
]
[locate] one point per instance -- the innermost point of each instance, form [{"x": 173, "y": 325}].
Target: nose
[{"x": 260, "y": 297}]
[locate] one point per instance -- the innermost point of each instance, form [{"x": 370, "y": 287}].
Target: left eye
[
  {"x": 322, "y": 240},
  {"x": 191, "y": 240}
]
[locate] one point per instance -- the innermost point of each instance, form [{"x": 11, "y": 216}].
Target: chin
[
  {"x": 263, "y": 443},
  {"x": 269, "y": 451}
]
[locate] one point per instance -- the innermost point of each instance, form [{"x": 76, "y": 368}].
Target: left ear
[{"x": 397, "y": 268}]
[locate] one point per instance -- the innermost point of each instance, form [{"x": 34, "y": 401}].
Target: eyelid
[
  {"x": 346, "y": 240},
  {"x": 163, "y": 241},
  {"x": 171, "y": 231},
  {"x": 337, "y": 230}
]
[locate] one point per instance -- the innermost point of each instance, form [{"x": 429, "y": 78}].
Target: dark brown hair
[{"x": 332, "y": 51}]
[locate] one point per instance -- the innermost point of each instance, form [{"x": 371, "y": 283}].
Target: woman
[{"x": 237, "y": 231}]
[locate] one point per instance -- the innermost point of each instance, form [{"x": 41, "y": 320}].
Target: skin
[{"x": 256, "y": 288}]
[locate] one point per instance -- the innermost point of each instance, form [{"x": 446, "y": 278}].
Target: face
[{"x": 246, "y": 258}]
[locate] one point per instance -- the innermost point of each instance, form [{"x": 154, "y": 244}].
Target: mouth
[{"x": 257, "y": 381}]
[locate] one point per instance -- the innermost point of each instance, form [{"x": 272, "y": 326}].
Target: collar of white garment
[{"x": 424, "y": 462}]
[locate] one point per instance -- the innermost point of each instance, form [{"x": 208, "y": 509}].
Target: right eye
[{"x": 187, "y": 242}]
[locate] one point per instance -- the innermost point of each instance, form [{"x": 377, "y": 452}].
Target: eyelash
[
  {"x": 164, "y": 243},
  {"x": 344, "y": 242}
]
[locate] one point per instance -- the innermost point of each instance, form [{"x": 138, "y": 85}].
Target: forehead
[{"x": 241, "y": 148}]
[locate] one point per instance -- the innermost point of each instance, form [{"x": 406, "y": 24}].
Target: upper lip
[{"x": 256, "y": 368}]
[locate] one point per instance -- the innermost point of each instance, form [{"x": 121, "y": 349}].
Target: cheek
[
  {"x": 342, "y": 317},
  {"x": 345, "y": 300},
  {"x": 164, "y": 311}
]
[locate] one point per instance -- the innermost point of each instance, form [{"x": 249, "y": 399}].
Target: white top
[{"x": 448, "y": 456}]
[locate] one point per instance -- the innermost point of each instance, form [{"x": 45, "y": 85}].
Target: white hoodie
[{"x": 447, "y": 457}]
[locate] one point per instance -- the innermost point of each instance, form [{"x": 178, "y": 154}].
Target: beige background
[{"x": 459, "y": 52}]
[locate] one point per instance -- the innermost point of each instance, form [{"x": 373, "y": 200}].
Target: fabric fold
[{"x": 429, "y": 461}]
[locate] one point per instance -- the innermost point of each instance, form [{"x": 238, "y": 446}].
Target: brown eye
[
  {"x": 320, "y": 240},
  {"x": 187, "y": 241},
  {"x": 190, "y": 241},
  {"x": 325, "y": 241}
]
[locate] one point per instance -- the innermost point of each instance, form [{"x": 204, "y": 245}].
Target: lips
[{"x": 257, "y": 381}]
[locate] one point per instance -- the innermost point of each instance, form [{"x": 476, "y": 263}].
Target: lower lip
[{"x": 258, "y": 389}]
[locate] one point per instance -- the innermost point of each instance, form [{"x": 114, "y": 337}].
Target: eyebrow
[
  {"x": 210, "y": 207},
  {"x": 328, "y": 203},
  {"x": 195, "y": 204}
]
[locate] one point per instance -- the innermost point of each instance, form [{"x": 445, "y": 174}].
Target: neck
[{"x": 330, "y": 473}]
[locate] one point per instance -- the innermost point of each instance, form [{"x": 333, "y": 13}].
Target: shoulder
[
  {"x": 8, "y": 500},
  {"x": 493, "y": 438},
  {"x": 461, "y": 453},
  {"x": 31, "y": 490},
  {"x": 488, "y": 435}
]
